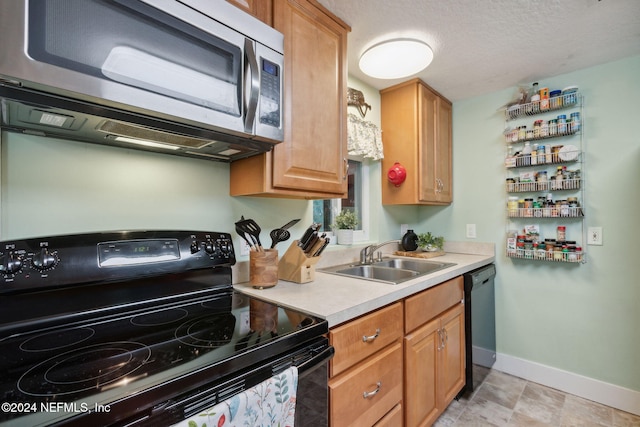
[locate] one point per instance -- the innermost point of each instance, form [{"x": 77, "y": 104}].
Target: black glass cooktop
[{"x": 98, "y": 361}]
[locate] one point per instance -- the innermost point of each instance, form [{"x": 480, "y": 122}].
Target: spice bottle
[{"x": 561, "y": 233}]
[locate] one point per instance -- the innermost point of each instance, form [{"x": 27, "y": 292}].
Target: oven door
[
  {"x": 201, "y": 404},
  {"x": 156, "y": 57}
]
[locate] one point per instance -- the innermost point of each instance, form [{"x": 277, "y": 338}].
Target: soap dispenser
[{"x": 409, "y": 241}]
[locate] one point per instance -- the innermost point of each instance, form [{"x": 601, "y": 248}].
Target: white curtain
[{"x": 363, "y": 138}]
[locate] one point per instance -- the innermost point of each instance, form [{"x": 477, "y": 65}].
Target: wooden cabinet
[
  {"x": 416, "y": 132},
  {"x": 368, "y": 391},
  {"x": 392, "y": 419},
  {"x": 434, "y": 352},
  {"x": 365, "y": 382},
  {"x": 261, "y": 9},
  {"x": 312, "y": 160},
  {"x": 401, "y": 365}
]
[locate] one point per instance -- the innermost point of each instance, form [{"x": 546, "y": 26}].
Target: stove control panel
[{"x": 55, "y": 261}]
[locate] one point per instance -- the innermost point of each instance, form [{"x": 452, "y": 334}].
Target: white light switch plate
[
  {"x": 594, "y": 236},
  {"x": 471, "y": 231}
]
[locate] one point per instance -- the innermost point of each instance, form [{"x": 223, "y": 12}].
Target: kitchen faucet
[{"x": 366, "y": 254}]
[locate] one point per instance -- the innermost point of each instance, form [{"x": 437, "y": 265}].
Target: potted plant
[
  {"x": 344, "y": 224},
  {"x": 430, "y": 243}
]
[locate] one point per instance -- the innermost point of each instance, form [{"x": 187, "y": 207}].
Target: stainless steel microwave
[{"x": 191, "y": 77}]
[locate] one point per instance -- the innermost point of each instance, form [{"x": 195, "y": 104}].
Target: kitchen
[{"x": 576, "y": 323}]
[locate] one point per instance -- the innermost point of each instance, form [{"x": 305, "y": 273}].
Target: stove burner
[
  {"x": 86, "y": 368},
  {"x": 57, "y": 340},
  {"x": 208, "y": 331},
  {"x": 158, "y": 318}
]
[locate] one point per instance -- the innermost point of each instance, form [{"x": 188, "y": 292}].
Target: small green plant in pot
[
  {"x": 344, "y": 224},
  {"x": 430, "y": 243}
]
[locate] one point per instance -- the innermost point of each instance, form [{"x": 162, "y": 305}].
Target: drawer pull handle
[
  {"x": 368, "y": 394},
  {"x": 371, "y": 337}
]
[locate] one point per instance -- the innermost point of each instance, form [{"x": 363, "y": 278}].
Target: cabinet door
[
  {"x": 434, "y": 148},
  {"x": 261, "y": 9},
  {"x": 451, "y": 370},
  {"x": 427, "y": 145},
  {"x": 422, "y": 349},
  {"x": 443, "y": 158},
  {"x": 313, "y": 154}
]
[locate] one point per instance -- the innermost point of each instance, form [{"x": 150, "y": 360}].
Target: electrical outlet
[
  {"x": 471, "y": 231},
  {"x": 403, "y": 229},
  {"x": 245, "y": 326},
  {"x": 244, "y": 248},
  {"x": 594, "y": 236}
]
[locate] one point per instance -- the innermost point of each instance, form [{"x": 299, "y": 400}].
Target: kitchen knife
[
  {"x": 316, "y": 246},
  {"x": 310, "y": 242},
  {"x": 324, "y": 245},
  {"x": 307, "y": 234}
]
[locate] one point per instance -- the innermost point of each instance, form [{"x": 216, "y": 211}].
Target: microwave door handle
[{"x": 252, "y": 79}]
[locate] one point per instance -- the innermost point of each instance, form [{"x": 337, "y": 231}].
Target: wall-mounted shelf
[{"x": 544, "y": 165}]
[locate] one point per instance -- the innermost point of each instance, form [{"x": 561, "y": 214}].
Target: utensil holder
[
  {"x": 263, "y": 268},
  {"x": 296, "y": 266}
]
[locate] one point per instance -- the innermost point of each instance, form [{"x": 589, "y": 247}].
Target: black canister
[{"x": 409, "y": 241}]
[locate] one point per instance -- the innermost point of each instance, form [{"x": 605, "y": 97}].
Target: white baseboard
[{"x": 588, "y": 388}]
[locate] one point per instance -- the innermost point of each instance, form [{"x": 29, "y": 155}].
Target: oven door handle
[{"x": 315, "y": 361}]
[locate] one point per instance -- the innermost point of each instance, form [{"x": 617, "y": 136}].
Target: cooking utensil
[
  {"x": 278, "y": 235},
  {"x": 281, "y": 234},
  {"x": 250, "y": 227},
  {"x": 290, "y": 223},
  {"x": 243, "y": 234}
]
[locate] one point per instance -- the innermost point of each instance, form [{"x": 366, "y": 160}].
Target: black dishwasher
[{"x": 480, "y": 320}]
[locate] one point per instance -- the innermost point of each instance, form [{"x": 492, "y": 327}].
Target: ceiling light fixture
[{"x": 394, "y": 59}]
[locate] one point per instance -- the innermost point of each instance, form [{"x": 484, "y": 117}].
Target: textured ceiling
[{"x": 482, "y": 46}]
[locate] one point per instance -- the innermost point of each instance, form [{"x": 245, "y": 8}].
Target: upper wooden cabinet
[
  {"x": 416, "y": 132},
  {"x": 261, "y": 9},
  {"x": 312, "y": 160}
]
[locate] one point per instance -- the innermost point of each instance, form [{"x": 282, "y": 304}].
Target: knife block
[{"x": 296, "y": 266}]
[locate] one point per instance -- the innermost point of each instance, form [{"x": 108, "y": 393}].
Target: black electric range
[{"x": 136, "y": 327}]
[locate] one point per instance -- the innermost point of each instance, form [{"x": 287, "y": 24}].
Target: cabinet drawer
[
  {"x": 426, "y": 305},
  {"x": 360, "y": 338},
  {"x": 383, "y": 372},
  {"x": 392, "y": 419}
]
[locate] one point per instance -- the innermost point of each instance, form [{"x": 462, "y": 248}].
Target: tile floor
[{"x": 500, "y": 399}]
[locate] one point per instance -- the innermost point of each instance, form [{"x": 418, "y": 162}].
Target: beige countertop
[{"x": 339, "y": 299}]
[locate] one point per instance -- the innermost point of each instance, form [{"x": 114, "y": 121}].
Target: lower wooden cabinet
[
  {"x": 434, "y": 361},
  {"x": 392, "y": 419},
  {"x": 434, "y": 367},
  {"x": 366, "y": 393},
  {"x": 401, "y": 365}
]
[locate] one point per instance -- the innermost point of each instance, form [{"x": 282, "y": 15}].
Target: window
[{"x": 357, "y": 200}]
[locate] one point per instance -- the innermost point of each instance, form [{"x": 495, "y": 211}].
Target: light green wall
[
  {"x": 59, "y": 187},
  {"x": 583, "y": 319}
]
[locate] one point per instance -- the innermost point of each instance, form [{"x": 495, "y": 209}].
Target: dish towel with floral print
[{"x": 270, "y": 403}]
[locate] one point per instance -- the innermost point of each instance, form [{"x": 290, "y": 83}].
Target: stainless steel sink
[
  {"x": 389, "y": 270},
  {"x": 423, "y": 267}
]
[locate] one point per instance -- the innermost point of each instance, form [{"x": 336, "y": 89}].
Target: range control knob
[
  {"x": 44, "y": 260},
  {"x": 209, "y": 247},
  {"x": 10, "y": 263}
]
